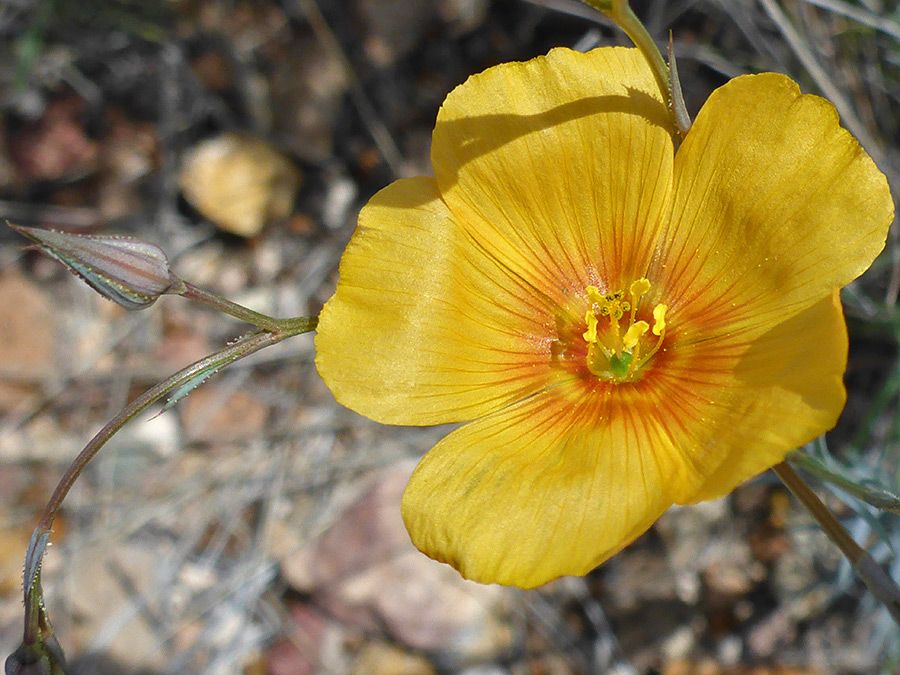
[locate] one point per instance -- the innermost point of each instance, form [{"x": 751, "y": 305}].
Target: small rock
[
  {"x": 464, "y": 15},
  {"x": 679, "y": 644},
  {"x": 381, "y": 659},
  {"x": 484, "y": 670},
  {"x": 366, "y": 573},
  {"x": 314, "y": 644},
  {"x": 639, "y": 577},
  {"x": 239, "y": 183},
  {"x": 105, "y": 584},
  {"x": 727, "y": 573},
  {"x": 340, "y": 197},
  {"x": 771, "y": 634},
  {"x": 26, "y": 329},
  {"x": 729, "y": 650}
]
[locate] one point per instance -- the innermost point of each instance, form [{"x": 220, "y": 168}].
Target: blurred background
[{"x": 254, "y": 528}]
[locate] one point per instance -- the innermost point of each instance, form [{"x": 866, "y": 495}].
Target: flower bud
[
  {"x": 130, "y": 272},
  {"x": 42, "y": 658}
]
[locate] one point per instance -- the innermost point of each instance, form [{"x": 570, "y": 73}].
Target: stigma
[{"x": 618, "y": 343}]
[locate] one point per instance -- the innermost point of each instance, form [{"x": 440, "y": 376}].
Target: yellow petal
[
  {"x": 558, "y": 483},
  {"x": 560, "y": 167},
  {"x": 775, "y": 206},
  {"x": 425, "y": 328},
  {"x": 788, "y": 390},
  {"x": 549, "y": 487}
]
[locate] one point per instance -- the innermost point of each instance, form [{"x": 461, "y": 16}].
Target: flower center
[{"x": 618, "y": 346}]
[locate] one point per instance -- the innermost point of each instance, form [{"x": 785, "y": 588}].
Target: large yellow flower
[{"x": 623, "y": 326}]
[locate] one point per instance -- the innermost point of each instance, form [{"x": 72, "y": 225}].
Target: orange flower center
[{"x": 618, "y": 345}]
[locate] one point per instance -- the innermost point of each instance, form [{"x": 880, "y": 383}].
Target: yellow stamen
[
  {"x": 659, "y": 319},
  {"x": 615, "y": 353},
  {"x": 594, "y": 295},
  {"x": 634, "y": 333},
  {"x": 659, "y": 329},
  {"x": 638, "y": 289},
  {"x": 617, "y": 336},
  {"x": 590, "y": 335}
]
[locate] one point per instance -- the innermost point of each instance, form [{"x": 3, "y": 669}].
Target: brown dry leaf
[{"x": 239, "y": 183}]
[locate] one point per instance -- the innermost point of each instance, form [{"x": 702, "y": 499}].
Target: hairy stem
[
  {"x": 876, "y": 579},
  {"x": 295, "y": 326},
  {"x": 669, "y": 87},
  {"x": 240, "y": 349},
  {"x": 873, "y": 495}
]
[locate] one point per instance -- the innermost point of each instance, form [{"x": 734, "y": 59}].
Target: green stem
[
  {"x": 876, "y": 579},
  {"x": 301, "y": 324},
  {"x": 621, "y": 13},
  {"x": 234, "y": 352},
  {"x": 36, "y": 617},
  {"x": 39, "y": 644},
  {"x": 627, "y": 20},
  {"x": 875, "y": 496}
]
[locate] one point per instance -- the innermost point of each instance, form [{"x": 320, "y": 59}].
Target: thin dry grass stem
[
  {"x": 608, "y": 655},
  {"x": 710, "y": 58},
  {"x": 122, "y": 329},
  {"x": 878, "y": 22},
  {"x": 893, "y": 288},
  {"x": 876, "y": 579},
  {"x": 746, "y": 22},
  {"x": 171, "y": 120},
  {"x": 68, "y": 216},
  {"x": 377, "y": 128},
  {"x": 573, "y": 8},
  {"x": 239, "y": 349},
  {"x": 823, "y": 81}
]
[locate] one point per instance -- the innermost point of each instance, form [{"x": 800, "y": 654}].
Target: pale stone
[
  {"x": 239, "y": 183},
  {"x": 365, "y": 572}
]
